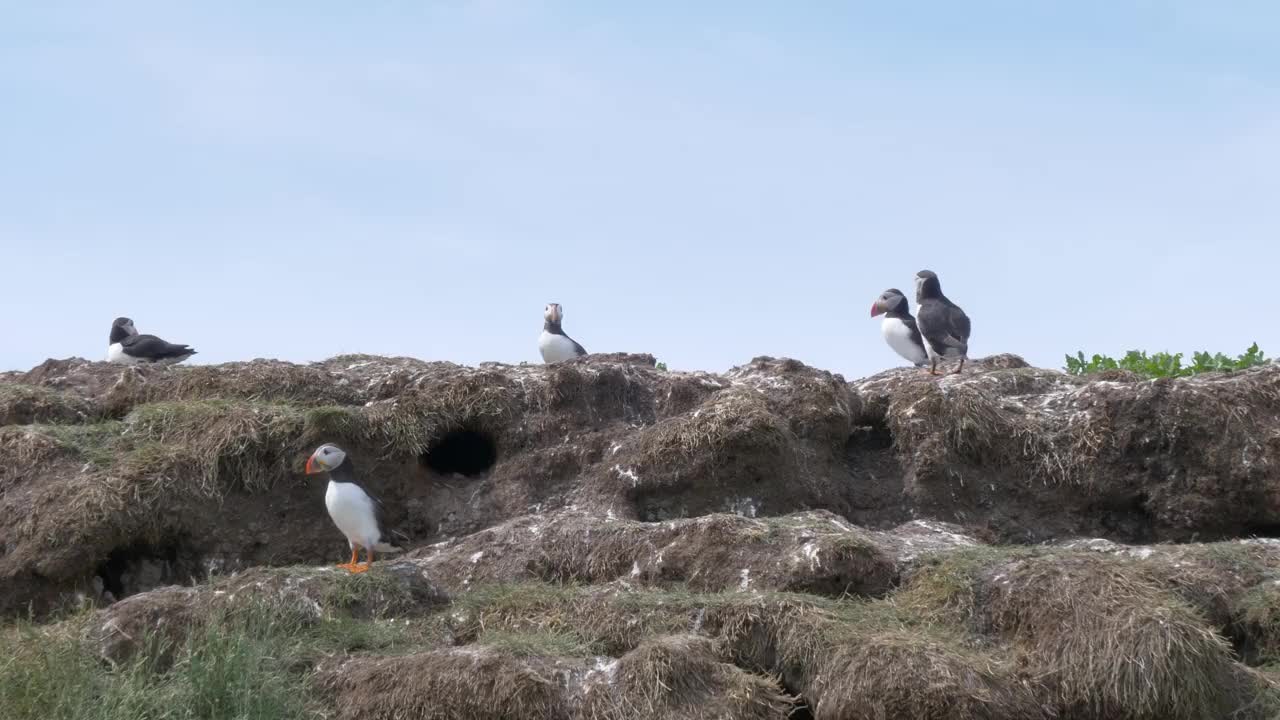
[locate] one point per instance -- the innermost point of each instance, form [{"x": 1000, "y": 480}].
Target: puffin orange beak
[
  {"x": 875, "y": 309},
  {"x": 310, "y": 471}
]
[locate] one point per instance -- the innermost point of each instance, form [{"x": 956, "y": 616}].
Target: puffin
[
  {"x": 899, "y": 328},
  {"x": 554, "y": 345},
  {"x": 127, "y": 347},
  {"x": 942, "y": 323},
  {"x": 356, "y": 513}
]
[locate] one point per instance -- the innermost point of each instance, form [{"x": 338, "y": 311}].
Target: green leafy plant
[
  {"x": 661, "y": 366},
  {"x": 1163, "y": 364}
]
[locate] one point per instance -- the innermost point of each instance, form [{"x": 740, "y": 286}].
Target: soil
[{"x": 132, "y": 488}]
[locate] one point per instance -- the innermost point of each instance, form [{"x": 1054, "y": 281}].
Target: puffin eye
[{"x": 326, "y": 451}]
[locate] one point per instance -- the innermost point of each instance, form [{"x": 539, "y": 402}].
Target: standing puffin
[
  {"x": 356, "y": 513},
  {"x": 943, "y": 324},
  {"x": 899, "y": 328},
  {"x": 127, "y": 347},
  {"x": 554, "y": 345}
]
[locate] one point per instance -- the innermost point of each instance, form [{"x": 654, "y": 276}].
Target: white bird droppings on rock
[
  {"x": 627, "y": 474},
  {"x": 810, "y": 551}
]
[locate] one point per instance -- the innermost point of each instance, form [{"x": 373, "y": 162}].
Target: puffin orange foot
[
  {"x": 359, "y": 568},
  {"x": 350, "y": 563}
]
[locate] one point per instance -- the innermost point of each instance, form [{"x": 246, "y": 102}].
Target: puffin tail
[{"x": 387, "y": 548}]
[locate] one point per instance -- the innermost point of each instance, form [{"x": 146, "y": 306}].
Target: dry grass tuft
[
  {"x": 1256, "y": 617},
  {"x": 263, "y": 381},
  {"x": 841, "y": 657},
  {"x": 868, "y": 659},
  {"x": 908, "y": 674},
  {"x": 474, "y": 683},
  {"x": 299, "y": 597},
  {"x": 23, "y": 448},
  {"x": 479, "y": 400},
  {"x": 213, "y": 445},
  {"x": 23, "y": 404},
  {"x": 1104, "y": 634},
  {"x": 681, "y": 676},
  {"x": 982, "y": 421},
  {"x": 732, "y": 433}
]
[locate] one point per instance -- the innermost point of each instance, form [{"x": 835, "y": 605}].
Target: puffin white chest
[
  {"x": 352, "y": 511},
  {"x": 898, "y": 336},
  {"x": 115, "y": 354},
  {"x": 556, "y": 348}
]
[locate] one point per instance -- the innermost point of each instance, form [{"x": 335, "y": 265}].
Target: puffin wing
[
  {"x": 380, "y": 517},
  {"x": 959, "y": 324},
  {"x": 934, "y": 324},
  {"x": 150, "y": 347},
  {"x": 578, "y": 349},
  {"x": 910, "y": 322}
]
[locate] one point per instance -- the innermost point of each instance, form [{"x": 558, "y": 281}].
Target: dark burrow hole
[
  {"x": 1126, "y": 519},
  {"x": 465, "y": 452},
  {"x": 141, "y": 566},
  {"x": 1262, "y": 530},
  {"x": 869, "y": 438}
]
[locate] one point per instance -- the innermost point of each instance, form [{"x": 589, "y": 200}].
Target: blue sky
[{"x": 706, "y": 184}]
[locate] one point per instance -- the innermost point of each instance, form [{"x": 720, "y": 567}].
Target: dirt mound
[
  {"x": 1091, "y": 629},
  {"x": 137, "y": 476},
  {"x": 604, "y": 539},
  {"x": 1035, "y": 454},
  {"x": 816, "y": 552},
  {"x": 301, "y": 595}
]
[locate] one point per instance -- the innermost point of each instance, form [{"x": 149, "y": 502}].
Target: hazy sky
[{"x": 705, "y": 184}]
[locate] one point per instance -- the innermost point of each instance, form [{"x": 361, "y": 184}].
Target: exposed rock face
[{"x": 907, "y": 493}]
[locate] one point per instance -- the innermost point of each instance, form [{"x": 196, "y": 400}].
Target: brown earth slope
[{"x": 1008, "y": 543}]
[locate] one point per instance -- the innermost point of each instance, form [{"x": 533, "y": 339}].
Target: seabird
[
  {"x": 899, "y": 328},
  {"x": 356, "y": 513},
  {"x": 129, "y": 348},
  {"x": 943, "y": 324},
  {"x": 554, "y": 345}
]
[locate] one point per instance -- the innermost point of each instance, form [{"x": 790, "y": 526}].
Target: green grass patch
[
  {"x": 366, "y": 590},
  {"x": 233, "y": 667},
  {"x": 1257, "y": 615},
  {"x": 944, "y": 589},
  {"x": 329, "y": 422},
  {"x": 549, "y": 643},
  {"x": 1163, "y": 364},
  {"x": 95, "y": 443}
]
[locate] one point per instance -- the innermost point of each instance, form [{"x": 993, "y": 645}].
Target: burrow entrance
[
  {"x": 138, "y": 567},
  {"x": 466, "y": 452}
]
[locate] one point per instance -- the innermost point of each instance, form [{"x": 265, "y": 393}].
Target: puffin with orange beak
[
  {"x": 554, "y": 345},
  {"x": 899, "y": 328},
  {"x": 356, "y": 513}
]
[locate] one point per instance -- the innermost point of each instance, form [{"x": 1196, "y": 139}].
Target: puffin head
[
  {"x": 552, "y": 313},
  {"x": 325, "y": 458},
  {"x": 889, "y": 300},
  {"x": 124, "y": 324},
  {"x": 927, "y": 285}
]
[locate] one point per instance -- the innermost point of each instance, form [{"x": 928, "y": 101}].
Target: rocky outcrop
[{"x": 584, "y": 528}]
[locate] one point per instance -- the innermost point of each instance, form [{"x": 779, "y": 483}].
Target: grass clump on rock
[
  {"x": 231, "y": 668},
  {"x": 1106, "y": 636}
]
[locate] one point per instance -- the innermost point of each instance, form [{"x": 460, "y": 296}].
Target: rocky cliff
[{"x": 603, "y": 539}]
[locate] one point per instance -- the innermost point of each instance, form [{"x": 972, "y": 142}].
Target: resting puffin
[
  {"x": 942, "y": 323},
  {"x": 127, "y": 347},
  {"x": 899, "y": 328},
  {"x": 554, "y": 345},
  {"x": 356, "y": 513}
]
